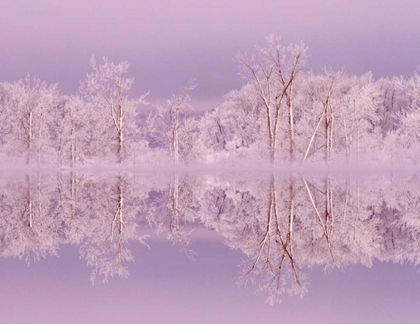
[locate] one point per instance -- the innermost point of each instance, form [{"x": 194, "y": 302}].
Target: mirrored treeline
[{"x": 284, "y": 224}]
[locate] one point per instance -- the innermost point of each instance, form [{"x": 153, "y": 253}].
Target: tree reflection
[
  {"x": 274, "y": 260},
  {"x": 285, "y": 225},
  {"x": 111, "y": 207},
  {"x": 173, "y": 207},
  {"x": 29, "y": 231}
]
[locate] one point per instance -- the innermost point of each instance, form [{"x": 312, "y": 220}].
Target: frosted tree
[
  {"x": 403, "y": 143},
  {"x": 235, "y": 129},
  {"x": 338, "y": 117},
  {"x": 394, "y": 102},
  {"x": 29, "y": 106},
  {"x": 412, "y": 89},
  {"x": 6, "y": 125},
  {"x": 77, "y": 129},
  {"x": 166, "y": 122},
  {"x": 106, "y": 92},
  {"x": 360, "y": 119},
  {"x": 69, "y": 130},
  {"x": 58, "y": 130},
  {"x": 321, "y": 93},
  {"x": 273, "y": 72}
]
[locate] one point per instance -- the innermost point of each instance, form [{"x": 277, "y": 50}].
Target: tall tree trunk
[
  {"x": 175, "y": 138},
  {"x": 291, "y": 212},
  {"x": 291, "y": 126},
  {"x": 39, "y": 141},
  {"x": 120, "y": 133},
  {"x": 29, "y": 201},
  {"x": 272, "y": 137},
  {"x": 73, "y": 146},
  {"x": 29, "y": 137},
  {"x": 120, "y": 147}
]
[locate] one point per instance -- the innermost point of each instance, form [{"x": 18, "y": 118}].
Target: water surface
[{"x": 209, "y": 247}]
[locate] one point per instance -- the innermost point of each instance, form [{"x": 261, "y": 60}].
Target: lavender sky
[{"x": 169, "y": 41}]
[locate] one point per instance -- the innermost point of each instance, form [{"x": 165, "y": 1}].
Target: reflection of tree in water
[
  {"x": 173, "y": 207},
  {"x": 287, "y": 225},
  {"x": 284, "y": 225},
  {"x": 401, "y": 207},
  {"x": 111, "y": 209},
  {"x": 99, "y": 213},
  {"x": 28, "y": 226},
  {"x": 274, "y": 258},
  {"x": 260, "y": 220}
]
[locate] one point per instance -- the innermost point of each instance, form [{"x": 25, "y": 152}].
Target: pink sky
[{"x": 168, "y": 42}]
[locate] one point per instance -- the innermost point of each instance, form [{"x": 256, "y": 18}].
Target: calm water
[{"x": 221, "y": 247}]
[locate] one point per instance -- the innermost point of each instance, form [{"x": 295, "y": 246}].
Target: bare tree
[
  {"x": 274, "y": 71},
  {"x": 324, "y": 93}
]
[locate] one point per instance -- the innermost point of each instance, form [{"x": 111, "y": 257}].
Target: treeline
[{"x": 285, "y": 113}]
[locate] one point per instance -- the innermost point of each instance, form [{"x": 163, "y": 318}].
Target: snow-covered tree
[
  {"x": 273, "y": 72},
  {"x": 235, "y": 130},
  {"x": 167, "y": 124},
  {"x": 28, "y": 107},
  {"x": 105, "y": 91}
]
